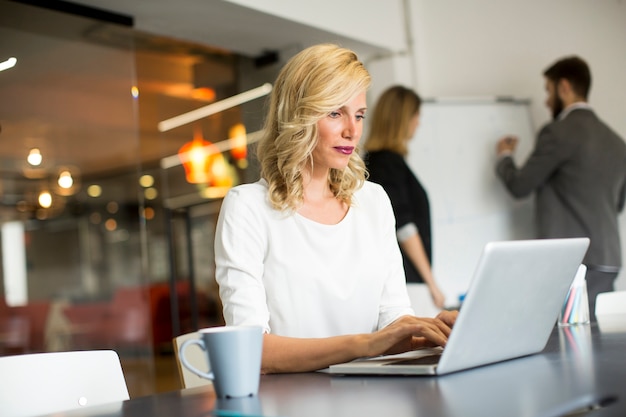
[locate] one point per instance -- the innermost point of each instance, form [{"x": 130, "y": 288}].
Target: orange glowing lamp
[
  {"x": 221, "y": 172},
  {"x": 204, "y": 164},
  {"x": 238, "y": 141},
  {"x": 197, "y": 158}
]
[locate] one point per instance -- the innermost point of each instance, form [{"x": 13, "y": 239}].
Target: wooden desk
[{"x": 579, "y": 368}]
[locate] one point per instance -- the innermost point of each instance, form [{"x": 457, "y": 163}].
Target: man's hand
[{"x": 506, "y": 145}]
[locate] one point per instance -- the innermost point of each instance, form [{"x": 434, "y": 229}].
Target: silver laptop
[{"x": 509, "y": 311}]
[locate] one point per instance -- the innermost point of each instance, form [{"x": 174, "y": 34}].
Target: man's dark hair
[{"x": 573, "y": 69}]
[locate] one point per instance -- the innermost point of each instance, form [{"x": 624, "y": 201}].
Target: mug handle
[{"x": 183, "y": 359}]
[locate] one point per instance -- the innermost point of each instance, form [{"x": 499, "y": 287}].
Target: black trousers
[{"x": 598, "y": 282}]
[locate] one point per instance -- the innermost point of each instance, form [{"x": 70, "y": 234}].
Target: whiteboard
[{"x": 453, "y": 154}]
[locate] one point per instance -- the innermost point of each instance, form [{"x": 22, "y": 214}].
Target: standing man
[{"x": 578, "y": 171}]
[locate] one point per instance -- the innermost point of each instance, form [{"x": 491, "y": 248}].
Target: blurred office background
[{"x": 107, "y": 236}]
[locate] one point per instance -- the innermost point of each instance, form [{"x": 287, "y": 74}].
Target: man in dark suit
[{"x": 578, "y": 171}]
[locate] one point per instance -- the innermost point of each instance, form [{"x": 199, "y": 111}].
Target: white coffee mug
[
  {"x": 241, "y": 406},
  {"x": 234, "y": 356}
]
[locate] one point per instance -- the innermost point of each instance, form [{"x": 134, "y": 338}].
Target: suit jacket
[
  {"x": 408, "y": 198},
  {"x": 578, "y": 171}
]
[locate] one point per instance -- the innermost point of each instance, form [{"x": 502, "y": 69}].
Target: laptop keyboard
[{"x": 424, "y": 360}]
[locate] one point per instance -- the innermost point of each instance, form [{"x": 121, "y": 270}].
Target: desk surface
[{"x": 580, "y": 368}]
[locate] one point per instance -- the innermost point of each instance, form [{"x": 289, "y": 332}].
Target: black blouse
[{"x": 408, "y": 198}]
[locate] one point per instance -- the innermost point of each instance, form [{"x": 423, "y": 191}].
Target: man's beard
[{"x": 557, "y": 107}]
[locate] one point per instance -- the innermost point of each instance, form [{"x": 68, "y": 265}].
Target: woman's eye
[
  {"x": 360, "y": 116},
  {"x": 334, "y": 114}
]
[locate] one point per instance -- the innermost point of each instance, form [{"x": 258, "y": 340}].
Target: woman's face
[
  {"x": 339, "y": 134},
  {"x": 415, "y": 121}
]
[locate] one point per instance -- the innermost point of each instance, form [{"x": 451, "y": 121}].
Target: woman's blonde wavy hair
[{"x": 313, "y": 83}]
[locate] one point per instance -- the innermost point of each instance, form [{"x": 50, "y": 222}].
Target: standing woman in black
[{"x": 392, "y": 125}]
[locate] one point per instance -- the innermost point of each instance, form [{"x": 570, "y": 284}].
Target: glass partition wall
[{"x": 106, "y": 236}]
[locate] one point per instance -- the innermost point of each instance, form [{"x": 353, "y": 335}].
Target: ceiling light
[
  {"x": 150, "y": 193},
  {"x": 45, "y": 199},
  {"x": 34, "y": 157},
  {"x": 94, "y": 191},
  {"x": 65, "y": 180},
  {"x": 9, "y": 63},
  {"x": 112, "y": 207},
  {"x": 213, "y": 108},
  {"x": 146, "y": 181}
]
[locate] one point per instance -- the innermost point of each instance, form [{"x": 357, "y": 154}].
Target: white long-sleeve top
[{"x": 299, "y": 278}]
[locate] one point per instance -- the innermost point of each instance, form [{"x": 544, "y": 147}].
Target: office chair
[
  {"x": 196, "y": 356},
  {"x": 45, "y": 383}
]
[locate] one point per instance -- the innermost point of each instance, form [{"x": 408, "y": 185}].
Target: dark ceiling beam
[{"x": 81, "y": 10}]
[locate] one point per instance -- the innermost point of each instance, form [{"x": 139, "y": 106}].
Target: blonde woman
[
  {"x": 393, "y": 123},
  {"x": 309, "y": 252}
]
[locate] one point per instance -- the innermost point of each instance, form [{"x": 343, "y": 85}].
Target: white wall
[
  {"x": 481, "y": 47},
  {"x": 491, "y": 47},
  {"x": 478, "y": 47},
  {"x": 496, "y": 47},
  {"x": 371, "y": 21}
]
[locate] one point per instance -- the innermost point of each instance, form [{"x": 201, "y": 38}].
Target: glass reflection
[{"x": 119, "y": 253}]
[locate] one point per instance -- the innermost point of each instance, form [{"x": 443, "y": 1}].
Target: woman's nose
[{"x": 350, "y": 129}]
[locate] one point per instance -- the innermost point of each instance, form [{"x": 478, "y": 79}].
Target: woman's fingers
[
  {"x": 433, "y": 330},
  {"x": 410, "y": 332}
]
